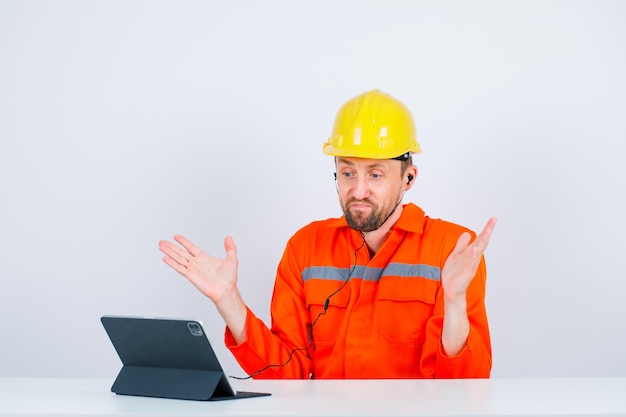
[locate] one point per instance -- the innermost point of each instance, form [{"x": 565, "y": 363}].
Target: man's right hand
[{"x": 216, "y": 278}]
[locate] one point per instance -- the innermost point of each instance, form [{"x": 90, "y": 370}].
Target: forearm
[
  {"x": 265, "y": 355},
  {"x": 233, "y": 310},
  {"x": 456, "y": 326}
]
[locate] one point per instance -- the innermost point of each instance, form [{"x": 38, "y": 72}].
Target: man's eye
[
  {"x": 347, "y": 175},
  {"x": 376, "y": 176}
]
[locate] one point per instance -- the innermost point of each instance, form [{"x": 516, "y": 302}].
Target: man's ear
[{"x": 411, "y": 174}]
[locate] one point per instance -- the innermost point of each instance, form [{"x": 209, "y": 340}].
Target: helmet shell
[{"x": 372, "y": 125}]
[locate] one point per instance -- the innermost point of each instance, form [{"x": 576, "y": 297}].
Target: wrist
[
  {"x": 230, "y": 301},
  {"x": 455, "y": 303}
]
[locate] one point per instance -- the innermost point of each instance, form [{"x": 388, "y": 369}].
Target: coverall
[{"x": 385, "y": 322}]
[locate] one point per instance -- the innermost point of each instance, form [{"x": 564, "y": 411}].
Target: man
[{"x": 382, "y": 292}]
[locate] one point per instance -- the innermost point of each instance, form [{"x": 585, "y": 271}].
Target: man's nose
[{"x": 361, "y": 189}]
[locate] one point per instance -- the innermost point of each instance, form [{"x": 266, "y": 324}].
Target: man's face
[{"x": 369, "y": 190}]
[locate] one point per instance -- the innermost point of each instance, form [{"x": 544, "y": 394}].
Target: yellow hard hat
[{"x": 373, "y": 125}]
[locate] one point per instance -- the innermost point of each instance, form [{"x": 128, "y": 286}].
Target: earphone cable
[{"x": 322, "y": 313}]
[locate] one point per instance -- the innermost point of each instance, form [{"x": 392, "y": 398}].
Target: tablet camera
[{"x": 194, "y": 329}]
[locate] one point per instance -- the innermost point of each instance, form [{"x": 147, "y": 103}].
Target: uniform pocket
[
  {"x": 404, "y": 307},
  {"x": 328, "y": 324}
]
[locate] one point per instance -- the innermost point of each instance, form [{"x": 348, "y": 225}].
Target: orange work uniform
[{"x": 385, "y": 322}]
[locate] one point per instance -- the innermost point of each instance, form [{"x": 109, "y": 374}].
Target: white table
[{"x": 494, "y": 397}]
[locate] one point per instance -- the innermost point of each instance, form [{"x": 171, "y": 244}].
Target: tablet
[{"x": 168, "y": 358}]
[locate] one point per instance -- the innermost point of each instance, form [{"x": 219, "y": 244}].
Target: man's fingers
[
  {"x": 176, "y": 266},
  {"x": 491, "y": 223},
  {"x": 480, "y": 243},
  {"x": 231, "y": 249},
  {"x": 187, "y": 244},
  {"x": 483, "y": 239},
  {"x": 174, "y": 252},
  {"x": 462, "y": 242}
]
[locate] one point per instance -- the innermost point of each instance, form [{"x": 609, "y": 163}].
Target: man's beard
[{"x": 364, "y": 223}]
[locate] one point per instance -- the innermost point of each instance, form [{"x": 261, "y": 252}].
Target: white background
[{"x": 125, "y": 122}]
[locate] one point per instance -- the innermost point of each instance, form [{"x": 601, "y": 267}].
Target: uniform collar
[{"x": 411, "y": 220}]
